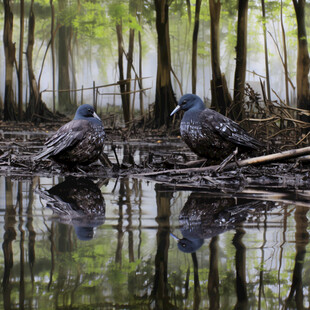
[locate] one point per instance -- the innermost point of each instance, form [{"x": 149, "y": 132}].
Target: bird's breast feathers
[{"x": 191, "y": 128}]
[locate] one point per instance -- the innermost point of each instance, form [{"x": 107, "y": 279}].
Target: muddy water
[{"x": 149, "y": 247}]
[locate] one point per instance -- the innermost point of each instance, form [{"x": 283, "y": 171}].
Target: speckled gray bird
[
  {"x": 79, "y": 142},
  {"x": 210, "y": 134}
]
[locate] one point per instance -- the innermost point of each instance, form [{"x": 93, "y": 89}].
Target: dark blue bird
[
  {"x": 77, "y": 142},
  {"x": 210, "y": 134}
]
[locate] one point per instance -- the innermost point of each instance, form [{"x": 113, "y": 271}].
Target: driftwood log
[{"x": 294, "y": 153}]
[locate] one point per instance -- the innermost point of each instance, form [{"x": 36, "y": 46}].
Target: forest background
[{"x": 139, "y": 57}]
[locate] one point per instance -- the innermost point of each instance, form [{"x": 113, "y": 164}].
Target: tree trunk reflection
[
  {"x": 160, "y": 289},
  {"x": 213, "y": 280},
  {"x": 301, "y": 239},
  {"x": 241, "y": 288},
  {"x": 8, "y": 238}
]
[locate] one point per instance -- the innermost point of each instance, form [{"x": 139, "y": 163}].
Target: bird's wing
[
  {"x": 66, "y": 137},
  {"x": 228, "y": 129}
]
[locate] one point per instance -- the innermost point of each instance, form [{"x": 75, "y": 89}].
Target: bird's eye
[{"x": 184, "y": 102}]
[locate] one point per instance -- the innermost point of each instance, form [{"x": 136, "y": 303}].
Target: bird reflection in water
[
  {"x": 204, "y": 217},
  {"x": 77, "y": 202}
]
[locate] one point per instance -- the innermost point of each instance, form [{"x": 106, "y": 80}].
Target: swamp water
[{"x": 151, "y": 247}]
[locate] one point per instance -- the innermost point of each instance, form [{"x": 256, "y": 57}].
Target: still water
[{"x": 146, "y": 246}]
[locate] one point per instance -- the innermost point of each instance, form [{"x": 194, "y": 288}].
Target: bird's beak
[
  {"x": 175, "y": 110},
  {"x": 96, "y": 116},
  {"x": 174, "y": 237}
]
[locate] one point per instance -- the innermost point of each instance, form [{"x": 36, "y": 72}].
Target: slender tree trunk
[
  {"x": 20, "y": 64},
  {"x": 140, "y": 61},
  {"x": 34, "y": 91},
  {"x": 165, "y": 99},
  {"x": 125, "y": 104},
  {"x": 72, "y": 68},
  {"x": 266, "y": 51},
  {"x": 36, "y": 106},
  {"x": 285, "y": 57},
  {"x": 129, "y": 65},
  {"x": 189, "y": 13},
  {"x": 64, "y": 100},
  {"x": 303, "y": 61},
  {"x": 221, "y": 98},
  {"x": 132, "y": 12},
  {"x": 195, "y": 45},
  {"x": 237, "y": 110},
  {"x": 53, "y": 52},
  {"x": 9, "y": 52}
]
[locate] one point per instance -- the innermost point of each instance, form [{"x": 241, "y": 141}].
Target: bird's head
[
  {"x": 86, "y": 111},
  {"x": 187, "y": 245},
  {"x": 187, "y": 102}
]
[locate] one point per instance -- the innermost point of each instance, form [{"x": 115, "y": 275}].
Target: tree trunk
[
  {"x": 129, "y": 65},
  {"x": 72, "y": 70},
  {"x": 20, "y": 63},
  {"x": 64, "y": 100},
  {"x": 303, "y": 61},
  {"x": 125, "y": 103},
  {"x": 140, "y": 61},
  {"x": 53, "y": 52},
  {"x": 221, "y": 99},
  {"x": 195, "y": 45},
  {"x": 165, "y": 100},
  {"x": 34, "y": 91},
  {"x": 266, "y": 51},
  {"x": 285, "y": 58},
  {"x": 36, "y": 106},
  {"x": 9, "y": 52},
  {"x": 237, "y": 110}
]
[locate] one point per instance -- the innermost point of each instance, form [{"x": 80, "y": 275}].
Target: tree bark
[
  {"x": 266, "y": 51},
  {"x": 125, "y": 104},
  {"x": 64, "y": 100},
  {"x": 221, "y": 99},
  {"x": 285, "y": 57},
  {"x": 20, "y": 63},
  {"x": 303, "y": 61},
  {"x": 9, "y": 52},
  {"x": 53, "y": 52},
  {"x": 195, "y": 46},
  {"x": 34, "y": 91},
  {"x": 140, "y": 60},
  {"x": 165, "y": 100},
  {"x": 36, "y": 106},
  {"x": 237, "y": 110},
  {"x": 129, "y": 65}
]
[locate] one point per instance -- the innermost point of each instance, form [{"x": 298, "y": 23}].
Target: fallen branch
[{"x": 240, "y": 163}]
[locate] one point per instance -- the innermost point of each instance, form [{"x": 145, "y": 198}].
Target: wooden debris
[{"x": 241, "y": 163}]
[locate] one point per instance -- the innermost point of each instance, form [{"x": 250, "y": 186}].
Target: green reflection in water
[{"x": 154, "y": 248}]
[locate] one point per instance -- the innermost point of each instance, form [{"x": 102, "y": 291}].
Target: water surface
[{"x": 151, "y": 247}]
